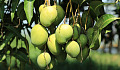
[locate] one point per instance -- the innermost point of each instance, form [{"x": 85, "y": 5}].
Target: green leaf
[
  {"x": 21, "y": 56},
  {"x": 95, "y": 7},
  {"x": 12, "y": 16},
  {"x": 1, "y": 10},
  {"x": 95, "y": 37},
  {"x": 33, "y": 56},
  {"x": 6, "y": 40},
  {"x": 21, "y": 12},
  {"x": 104, "y": 21},
  {"x": 100, "y": 24},
  {"x": 10, "y": 61},
  {"x": 2, "y": 57},
  {"x": 16, "y": 32},
  {"x": 14, "y": 6},
  {"x": 28, "y": 7}
]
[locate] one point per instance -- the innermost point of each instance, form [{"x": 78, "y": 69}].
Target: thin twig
[{"x": 87, "y": 17}]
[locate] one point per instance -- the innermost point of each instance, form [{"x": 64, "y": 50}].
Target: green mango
[
  {"x": 43, "y": 59},
  {"x": 39, "y": 36},
  {"x": 82, "y": 40},
  {"x": 48, "y": 16},
  {"x": 60, "y": 14},
  {"x": 63, "y": 33},
  {"x": 72, "y": 48},
  {"x": 53, "y": 46},
  {"x": 76, "y": 31},
  {"x": 83, "y": 54}
]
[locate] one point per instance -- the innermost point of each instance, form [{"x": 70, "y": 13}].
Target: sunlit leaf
[
  {"x": 100, "y": 24},
  {"x": 6, "y": 40},
  {"x": 33, "y": 56},
  {"x": 28, "y": 7},
  {"x": 104, "y": 21}
]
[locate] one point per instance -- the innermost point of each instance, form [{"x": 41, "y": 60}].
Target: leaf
[
  {"x": 95, "y": 37},
  {"x": 104, "y": 21},
  {"x": 21, "y": 12},
  {"x": 21, "y": 56},
  {"x": 1, "y": 9},
  {"x": 2, "y": 57},
  {"x": 15, "y": 31},
  {"x": 100, "y": 24},
  {"x": 95, "y": 7},
  {"x": 12, "y": 16},
  {"x": 33, "y": 56},
  {"x": 28, "y": 7},
  {"x": 6, "y": 40},
  {"x": 14, "y": 6}
]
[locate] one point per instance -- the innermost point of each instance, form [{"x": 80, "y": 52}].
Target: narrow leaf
[
  {"x": 96, "y": 35},
  {"x": 14, "y": 6},
  {"x": 95, "y": 6},
  {"x": 15, "y": 31},
  {"x": 21, "y": 56},
  {"x": 28, "y": 7},
  {"x": 1, "y": 9},
  {"x": 21, "y": 12},
  {"x": 6, "y": 40},
  {"x": 104, "y": 21},
  {"x": 100, "y": 24}
]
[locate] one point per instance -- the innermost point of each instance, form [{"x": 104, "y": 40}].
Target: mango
[
  {"x": 39, "y": 36},
  {"x": 63, "y": 33},
  {"x": 53, "y": 46},
  {"x": 72, "y": 48}
]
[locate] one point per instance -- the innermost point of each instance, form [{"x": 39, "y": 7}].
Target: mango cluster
[{"x": 57, "y": 42}]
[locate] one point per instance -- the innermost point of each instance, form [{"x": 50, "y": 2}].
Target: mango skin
[
  {"x": 43, "y": 59},
  {"x": 85, "y": 54},
  {"x": 76, "y": 31},
  {"x": 63, "y": 33},
  {"x": 41, "y": 7},
  {"x": 72, "y": 48},
  {"x": 39, "y": 35},
  {"x": 53, "y": 46},
  {"x": 60, "y": 14},
  {"x": 48, "y": 16},
  {"x": 82, "y": 40}
]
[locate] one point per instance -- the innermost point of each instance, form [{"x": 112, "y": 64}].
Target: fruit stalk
[{"x": 87, "y": 17}]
